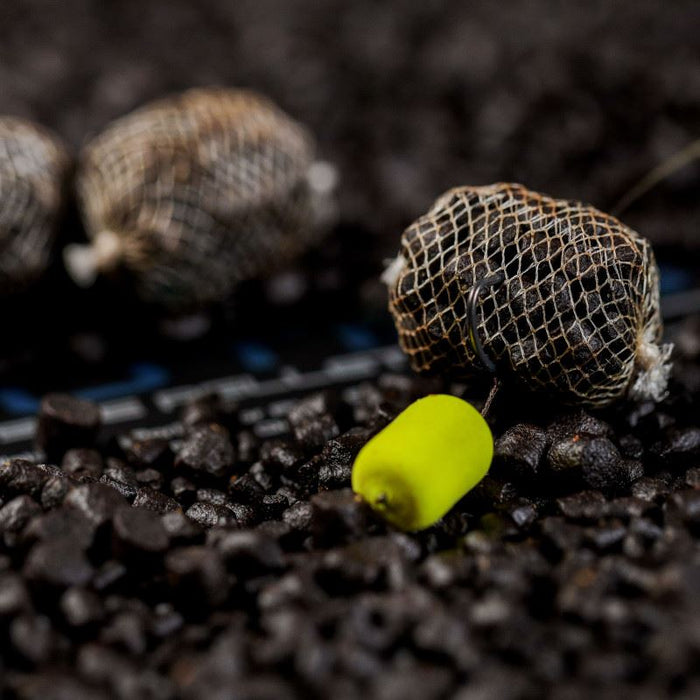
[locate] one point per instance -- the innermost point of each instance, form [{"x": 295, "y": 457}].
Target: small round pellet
[
  {"x": 193, "y": 193},
  {"x": 552, "y": 293},
  {"x": 33, "y": 169}
]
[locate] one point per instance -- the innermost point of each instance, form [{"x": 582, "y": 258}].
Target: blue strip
[
  {"x": 255, "y": 357},
  {"x": 355, "y": 338},
  {"x": 675, "y": 279},
  {"x": 18, "y": 402},
  {"x": 143, "y": 377}
]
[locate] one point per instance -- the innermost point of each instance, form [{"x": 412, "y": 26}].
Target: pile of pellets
[{"x": 216, "y": 565}]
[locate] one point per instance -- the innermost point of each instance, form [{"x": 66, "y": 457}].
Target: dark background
[{"x": 576, "y": 99}]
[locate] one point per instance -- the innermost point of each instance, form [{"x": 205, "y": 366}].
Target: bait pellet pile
[
  {"x": 193, "y": 193},
  {"x": 570, "y": 303},
  {"x": 212, "y": 565},
  {"x": 33, "y": 169}
]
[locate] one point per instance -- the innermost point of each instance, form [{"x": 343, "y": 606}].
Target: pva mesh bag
[
  {"x": 33, "y": 169},
  {"x": 195, "y": 192},
  {"x": 553, "y": 293}
]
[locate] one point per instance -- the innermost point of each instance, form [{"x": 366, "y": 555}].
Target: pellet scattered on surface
[{"x": 144, "y": 568}]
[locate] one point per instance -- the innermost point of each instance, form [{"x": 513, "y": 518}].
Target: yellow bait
[{"x": 424, "y": 461}]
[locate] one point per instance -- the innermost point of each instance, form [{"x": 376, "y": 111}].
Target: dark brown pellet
[{"x": 65, "y": 422}]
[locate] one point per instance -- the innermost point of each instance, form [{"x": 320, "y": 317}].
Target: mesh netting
[
  {"x": 33, "y": 166},
  {"x": 567, "y": 301},
  {"x": 203, "y": 189}
]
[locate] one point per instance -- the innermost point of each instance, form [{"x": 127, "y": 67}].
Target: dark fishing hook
[{"x": 472, "y": 301}]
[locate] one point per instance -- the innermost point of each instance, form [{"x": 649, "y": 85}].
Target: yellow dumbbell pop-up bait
[{"x": 424, "y": 461}]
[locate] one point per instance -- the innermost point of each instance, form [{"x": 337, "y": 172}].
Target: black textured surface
[
  {"x": 410, "y": 99},
  {"x": 561, "y": 575},
  {"x": 178, "y": 568}
]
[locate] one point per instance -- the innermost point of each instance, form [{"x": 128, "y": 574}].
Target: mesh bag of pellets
[{"x": 553, "y": 294}]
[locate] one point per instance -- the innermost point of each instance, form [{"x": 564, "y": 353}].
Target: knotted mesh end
[{"x": 654, "y": 370}]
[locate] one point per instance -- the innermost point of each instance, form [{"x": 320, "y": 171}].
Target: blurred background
[{"x": 407, "y": 99}]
